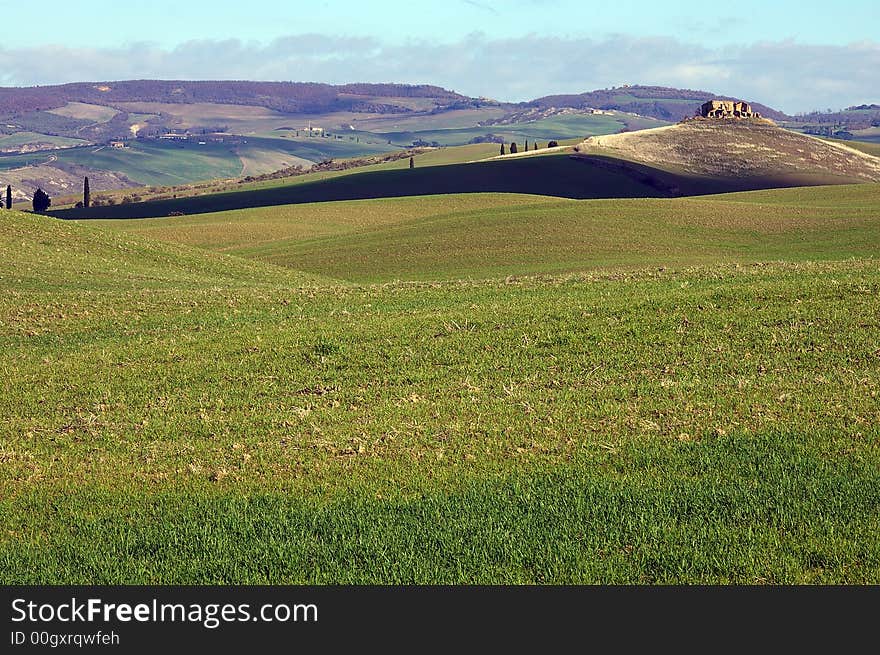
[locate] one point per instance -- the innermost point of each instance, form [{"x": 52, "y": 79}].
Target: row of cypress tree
[{"x": 514, "y": 149}]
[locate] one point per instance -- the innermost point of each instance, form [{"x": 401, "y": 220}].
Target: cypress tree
[
  {"x": 527, "y": 146},
  {"x": 87, "y": 196},
  {"x": 502, "y": 149},
  {"x": 535, "y": 146},
  {"x": 412, "y": 163},
  {"x": 513, "y": 148},
  {"x": 9, "y": 196}
]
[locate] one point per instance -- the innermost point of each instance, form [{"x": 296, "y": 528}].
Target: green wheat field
[{"x": 476, "y": 388}]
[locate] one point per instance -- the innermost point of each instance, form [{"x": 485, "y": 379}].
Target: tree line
[
  {"x": 514, "y": 148},
  {"x": 292, "y": 97}
]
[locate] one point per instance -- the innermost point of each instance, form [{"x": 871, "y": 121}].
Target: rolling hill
[
  {"x": 185, "y": 133},
  {"x": 624, "y": 392},
  {"x": 41, "y": 253},
  {"x": 479, "y": 235},
  {"x": 553, "y": 175},
  {"x": 693, "y": 158},
  {"x": 750, "y": 152},
  {"x": 859, "y": 121}
]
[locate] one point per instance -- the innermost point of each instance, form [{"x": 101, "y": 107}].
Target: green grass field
[
  {"x": 316, "y": 149},
  {"x": 159, "y": 162},
  {"x": 473, "y": 388},
  {"x": 870, "y": 135},
  {"x": 556, "y": 128},
  {"x": 9, "y": 162},
  {"x": 863, "y": 146},
  {"x": 489, "y": 235},
  {"x": 84, "y": 111},
  {"x": 25, "y": 138},
  {"x": 168, "y": 163}
]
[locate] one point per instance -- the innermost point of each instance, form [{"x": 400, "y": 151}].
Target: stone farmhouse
[{"x": 727, "y": 109}]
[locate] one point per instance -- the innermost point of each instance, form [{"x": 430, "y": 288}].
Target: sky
[{"x": 795, "y": 56}]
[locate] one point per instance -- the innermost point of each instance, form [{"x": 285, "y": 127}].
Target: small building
[
  {"x": 727, "y": 109},
  {"x": 117, "y": 144},
  {"x": 312, "y": 130}
]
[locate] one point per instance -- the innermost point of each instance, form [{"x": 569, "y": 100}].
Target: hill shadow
[{"x": 575, "y": 177}]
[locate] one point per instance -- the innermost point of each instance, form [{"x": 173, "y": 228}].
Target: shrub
[{"x": 42, "y": 201}]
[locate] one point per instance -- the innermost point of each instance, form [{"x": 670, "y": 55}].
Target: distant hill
[
  {"x": 659, "y": 102},
  {"x": 860, "y": 117},
  {"x": 749, "y": 152},
  {"x": 289, "y": 97},
  {"x": 165, "y": 133}
]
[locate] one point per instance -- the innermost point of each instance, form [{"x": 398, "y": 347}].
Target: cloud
[{"x": 786, "y": 74}]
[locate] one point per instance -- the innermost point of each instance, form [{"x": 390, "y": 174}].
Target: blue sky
[{"x": 795, "y": 55}]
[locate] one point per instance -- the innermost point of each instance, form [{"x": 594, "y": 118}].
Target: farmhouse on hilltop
[{"x": 727, "y": 109}]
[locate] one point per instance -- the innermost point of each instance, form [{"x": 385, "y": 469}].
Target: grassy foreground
[{"x": 172, "y": 415}]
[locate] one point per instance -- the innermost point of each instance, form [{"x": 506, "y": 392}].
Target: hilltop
[{"x": 753, "y": 153}]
